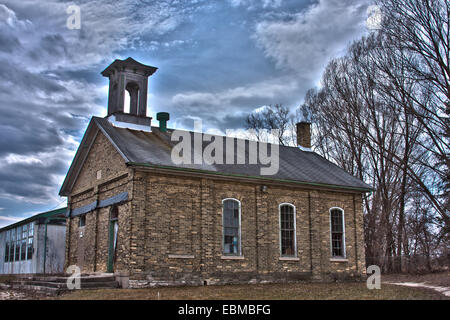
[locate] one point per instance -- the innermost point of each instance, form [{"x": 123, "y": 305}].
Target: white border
[
  {"x": 223, "y": 230},
  {"x": 295, "y": 228},
  {"x": 343, "y": 234}
]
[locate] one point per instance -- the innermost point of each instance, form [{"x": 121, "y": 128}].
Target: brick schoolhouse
[{"x": 134, "y": 212}]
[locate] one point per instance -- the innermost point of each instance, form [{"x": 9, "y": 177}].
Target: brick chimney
[{"x": 304, "y": 135}]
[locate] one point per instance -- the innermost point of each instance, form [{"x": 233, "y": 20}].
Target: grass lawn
[{"x": 291, "y": 291}]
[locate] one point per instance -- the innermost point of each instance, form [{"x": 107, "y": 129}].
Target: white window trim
[
  {"x": 223, "y": 230},
  {"x": 295, "y": 228},
  {"x": 343, "y": 235}
]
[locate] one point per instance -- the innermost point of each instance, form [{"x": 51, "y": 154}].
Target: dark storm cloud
[
  {"x": 8, "y": 43},
  {"x": 53, "y": 45},
  {"x": 37, "y": 179},
  {"x": 17, "y": 79},
  {"x": 18, "y": 138},
  {"x": 31, "y": 117}
]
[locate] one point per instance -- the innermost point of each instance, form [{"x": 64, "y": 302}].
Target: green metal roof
[{"x": 46, "y": 214}]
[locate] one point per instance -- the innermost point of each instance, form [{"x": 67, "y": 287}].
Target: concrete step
[
  {"x": 38, "y": 289},
  {"x": 63, "y": 285},
  {"x": 58, "y": 283},
  {"x": 55, "y": 291},
  {"x": 84, "y": 279}
]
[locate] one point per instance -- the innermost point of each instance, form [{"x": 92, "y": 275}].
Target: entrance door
[
  {"x": 113, "y": 233},
  {"x": 81, "y": 236}
]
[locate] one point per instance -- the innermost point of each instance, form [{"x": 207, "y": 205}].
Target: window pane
[
  {"x": 114, "y": 213},
  {"x": 11, "y": 251},
  {"x": 25, "y": 232},
  {"x": 30, "y": 249},
  {"x": 31, "y": 229},
  {"x": 23, "y": 250},
  {"x": 231, "y": 227},
  {"x": 231, "y": 245},
  {"x": 17, "y": 252},
  {"x": 336, "y": 219},
  {"x": 7, "y": 252},
  {"x": 82, "y": 221},
  {"x": 337, "y": 244}
]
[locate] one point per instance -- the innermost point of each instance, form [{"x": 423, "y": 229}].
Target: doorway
[
  {"x": 81, "y": 246},
  {"x": 113, "y": 233}
]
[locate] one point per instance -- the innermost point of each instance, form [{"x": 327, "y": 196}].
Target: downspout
[{"x": 45, "y": 237}]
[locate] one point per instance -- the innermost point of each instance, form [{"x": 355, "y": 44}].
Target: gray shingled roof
[{"x": 154, "y": 149}]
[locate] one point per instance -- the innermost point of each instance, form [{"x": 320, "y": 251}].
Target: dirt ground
[
  {"x": 292, "y": 291},
  {"x": 21, "y": 295},
  {"x": 436, "y": 279},
  {"x": 297, "y": 291},
  {"x": 439, "y": 282}
]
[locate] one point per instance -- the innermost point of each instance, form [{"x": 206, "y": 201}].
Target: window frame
[
  {"x": 295, "y": 230},
  {"x": 18, "y": 243},
  {"x": 7, "y": 244},
  {"x": 12, "y": 245},
  {"x": 30, "y": 244},
  {"x": 344, "y": 251},
  {"x": 239, "y": 254},
  {"x": 24, "y": 242}
]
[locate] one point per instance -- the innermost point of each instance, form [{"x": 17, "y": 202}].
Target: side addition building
[{"x": 34, "y": 245}]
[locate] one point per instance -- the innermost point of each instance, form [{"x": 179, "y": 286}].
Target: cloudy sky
[{"x": 217, "y": 60}]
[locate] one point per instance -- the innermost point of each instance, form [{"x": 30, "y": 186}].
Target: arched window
[
  {"x": 288, "y": 238},
  {"x": 337, "y": 226},
  {"x": 231, "y": 215}
]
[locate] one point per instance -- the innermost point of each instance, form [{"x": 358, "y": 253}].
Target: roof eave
[{"x": 45, "y": 214}]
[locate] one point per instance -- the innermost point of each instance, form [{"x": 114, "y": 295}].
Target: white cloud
[
  {"x": 17, "y": 158},
  {"x": 106, "y": 27},
  {"x": 7, "y": 218},
  {"x": 271, "y": 89},
  {"x": 253, "y": 3},
  {"x": 305, "y": 42},
  {"x": 9, "y": 18}
]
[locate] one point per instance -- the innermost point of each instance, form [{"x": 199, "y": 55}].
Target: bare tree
[
  {"x": 418, "y": 32},
  {"x": 373, "y": 135},
  {"x": 276, "y": 117},
  {"x": 382, "y": 113}
]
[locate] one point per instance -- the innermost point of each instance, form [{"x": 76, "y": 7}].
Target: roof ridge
[{"x": 237, "y": 138}]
